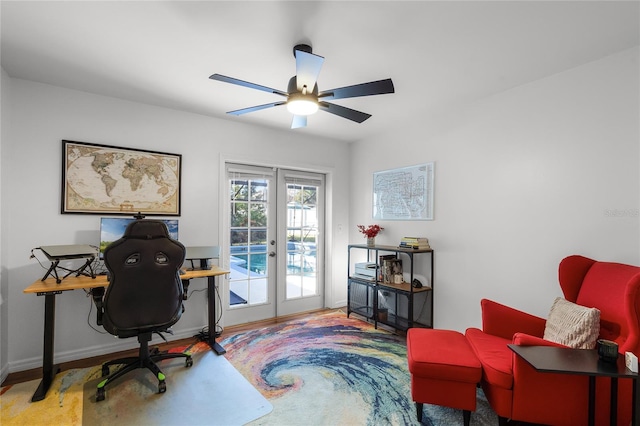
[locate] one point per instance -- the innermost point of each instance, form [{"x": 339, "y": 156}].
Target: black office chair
[{"x": 144, "y": 296}]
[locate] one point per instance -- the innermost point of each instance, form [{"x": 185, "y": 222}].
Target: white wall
[
  {"x": 4, "y": 309},
  {"x": 522, "y": 179},
  {"x": 43, "y": 115}
]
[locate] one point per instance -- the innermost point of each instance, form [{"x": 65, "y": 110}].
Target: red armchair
[{"x": 516, "y": 391}]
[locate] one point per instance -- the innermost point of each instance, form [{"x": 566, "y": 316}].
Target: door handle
[{"x": 272, "y": 254}]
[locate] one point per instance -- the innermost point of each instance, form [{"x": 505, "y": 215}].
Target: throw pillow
[{"x": 572, "y": 325}]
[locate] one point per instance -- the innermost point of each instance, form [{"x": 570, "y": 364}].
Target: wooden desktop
[{"x": 49, "y": 288}]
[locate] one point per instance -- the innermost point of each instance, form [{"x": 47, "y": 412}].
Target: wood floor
[{"x": 36, "y": 373}]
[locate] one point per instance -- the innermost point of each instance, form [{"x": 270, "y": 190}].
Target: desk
[
  {"x": 586, "y": 362},
  {"x": 49, "y": 288}
]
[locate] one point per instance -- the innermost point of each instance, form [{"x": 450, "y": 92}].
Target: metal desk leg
[
  {"x": 613, "y": 403},
  {"x": 49, "y": 370},
  {"x": 636, "y": 403},
  {"x": 211, "y": 293},
  {"x": 592, "y": 400}
]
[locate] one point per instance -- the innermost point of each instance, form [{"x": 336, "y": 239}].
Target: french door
[{"x": 275, "y": 243}]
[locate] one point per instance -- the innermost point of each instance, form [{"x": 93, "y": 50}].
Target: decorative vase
[{"x": 371, "y": 241}]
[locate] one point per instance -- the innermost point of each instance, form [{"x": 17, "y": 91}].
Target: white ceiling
[{"x": 441, "y": 55}]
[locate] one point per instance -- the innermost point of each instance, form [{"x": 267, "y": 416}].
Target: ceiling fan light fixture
[
  {"x": 302, "y": 95},
  {"x": 299, "y": 104}
]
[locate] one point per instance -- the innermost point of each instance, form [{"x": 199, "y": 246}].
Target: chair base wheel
[{"x": 146, "y": 359}]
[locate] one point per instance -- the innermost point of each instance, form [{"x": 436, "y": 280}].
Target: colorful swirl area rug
[{"x": 334, "y": 370}]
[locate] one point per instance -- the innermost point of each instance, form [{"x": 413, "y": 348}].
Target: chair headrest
[{"x": 146, "y": 229}]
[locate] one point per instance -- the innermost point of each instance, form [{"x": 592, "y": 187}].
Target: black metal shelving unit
[{"x": 390, "y": 303}]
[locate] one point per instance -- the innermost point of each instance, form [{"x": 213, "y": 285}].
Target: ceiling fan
[{"x": 302, "y": 95}]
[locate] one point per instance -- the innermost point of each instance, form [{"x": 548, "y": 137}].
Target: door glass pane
[
  {"x": 302, "y": 236},
  {"x": 239, "y": 239},
  {"x": 259, "y": 191},
  {"x": 249, "y": 250}
]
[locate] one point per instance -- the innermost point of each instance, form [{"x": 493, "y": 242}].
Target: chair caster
[
  {"x": 105, "y": 370},
  {"x": 189, "y": 362},
  {"x": 154, "y": 351},
  {"x": 162, "y": 387},
  {"x": 100, "y": 395}
]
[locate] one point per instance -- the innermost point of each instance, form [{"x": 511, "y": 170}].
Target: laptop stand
[
  {"x": 55, "y": 254},
  {"x": 53, "y": 270}
]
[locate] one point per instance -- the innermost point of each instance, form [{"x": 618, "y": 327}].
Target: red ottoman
[{"x": 444, "y": 370}]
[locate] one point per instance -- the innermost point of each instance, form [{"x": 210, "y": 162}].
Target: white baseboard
[
  {"x": 4, "y": 372},
  {"x": 117, "y": 346},
  {"x": 339, "y": 304}
]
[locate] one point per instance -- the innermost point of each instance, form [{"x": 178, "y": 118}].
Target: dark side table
[{"x": 585, "y": 362}]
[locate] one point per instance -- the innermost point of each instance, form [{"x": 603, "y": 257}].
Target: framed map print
[
  {"x": 104, "y": 179},
  {"x": 404, "y": 194}
]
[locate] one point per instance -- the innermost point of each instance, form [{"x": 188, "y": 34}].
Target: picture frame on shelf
[{"x": 390, "y": 268}]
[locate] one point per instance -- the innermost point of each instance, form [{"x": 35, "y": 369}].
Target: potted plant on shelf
[{"x": 370, "y": 233}]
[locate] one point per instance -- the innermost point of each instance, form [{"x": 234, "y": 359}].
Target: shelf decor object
[
  {"x": 370, "y": 233},
  {"x": 404, "y": 193},
  {"x": 103, "y": 179}
]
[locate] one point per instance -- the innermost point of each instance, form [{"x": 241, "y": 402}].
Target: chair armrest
[
  {"x": 98, "y": 294},
  {"x": 563, "y": 396},
  {"x": 523, "y": 339},
  {"x": 521, "y": 368},
  {"x": 185, "y": 290},
  {"x": 503, "y": 321},
  {"x": 632, "y": 307}
]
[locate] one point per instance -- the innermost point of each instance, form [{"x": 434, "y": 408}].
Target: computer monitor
[
  {"x": 112, "y": 228},
  {"x": 202, "y": 254}
]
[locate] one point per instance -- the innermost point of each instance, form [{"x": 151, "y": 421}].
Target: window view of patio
[
  {"x": 249, "y": 249},
  {"x": 302, "y": 236}
]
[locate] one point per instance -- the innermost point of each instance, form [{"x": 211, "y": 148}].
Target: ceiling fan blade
[
  {"x": 379, "y": 87},
  {"x": 308, "y": 68},
  {"x": 299, "y": 121},
  {"x": 348, "y": 113},
  {"x": 243, "y": 83},
  {"x": 255, "y": 108}
]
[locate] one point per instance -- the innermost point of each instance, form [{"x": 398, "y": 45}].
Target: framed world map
[
  {"x": 404, "y": 194},
  {"x": 103, "y": 179}
]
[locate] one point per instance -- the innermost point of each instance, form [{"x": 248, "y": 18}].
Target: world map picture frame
[{"x": 112, "y": 180}]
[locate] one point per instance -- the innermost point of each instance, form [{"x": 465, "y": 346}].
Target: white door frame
[
  {"x": 290, "y": 306},
  {"x": 223, "y": 215},
  {"x": 264, "y": 306}
]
